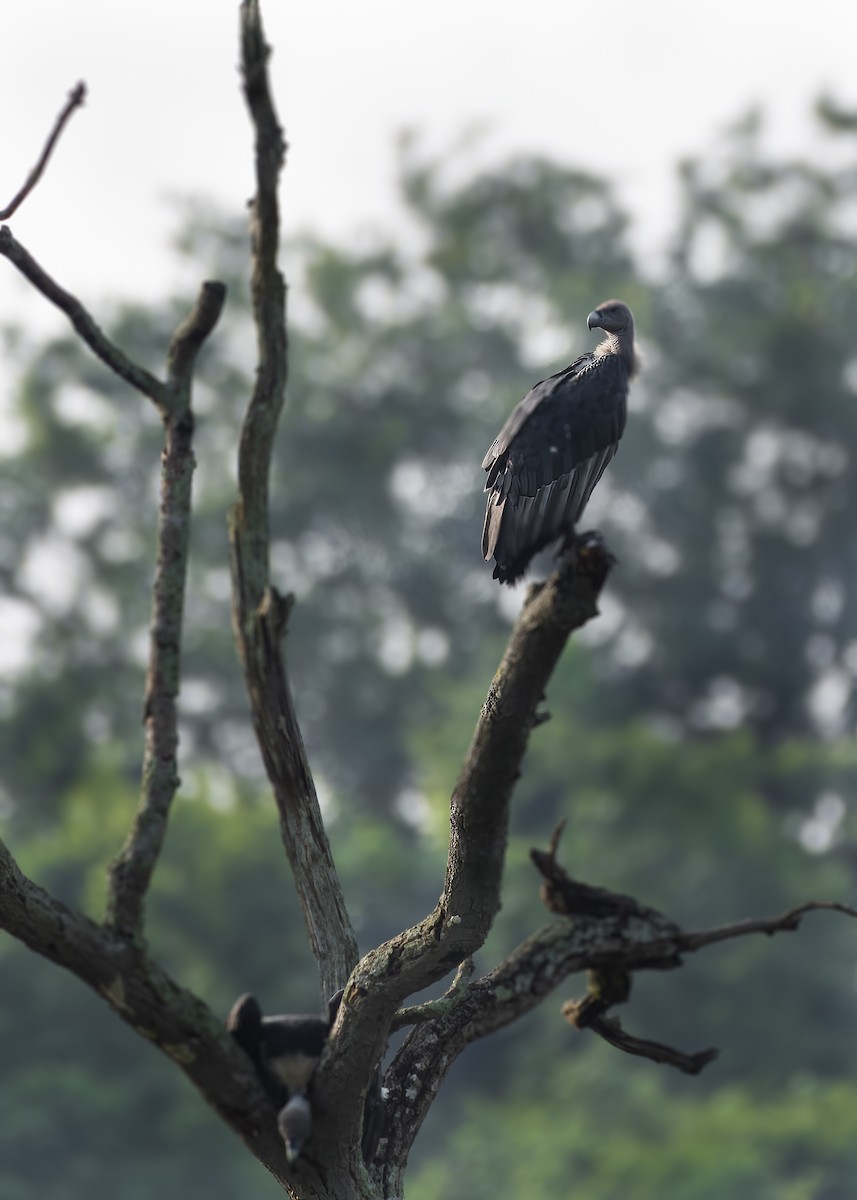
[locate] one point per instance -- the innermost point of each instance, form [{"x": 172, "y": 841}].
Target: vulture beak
[{"x": 594, "y": 320}]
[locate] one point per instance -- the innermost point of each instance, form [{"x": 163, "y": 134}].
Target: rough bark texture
[
  {"x": 131, "y": 873},
  {"x": 259, "y": 612},
  {"x": 147, "y": 1000},
  {"x": 479, "y": 814}
]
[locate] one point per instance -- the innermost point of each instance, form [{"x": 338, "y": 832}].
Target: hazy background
[
  {"x": 626, "y": 88},
  {"x": 702, "y": 742}
]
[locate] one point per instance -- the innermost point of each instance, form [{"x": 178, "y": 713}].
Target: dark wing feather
[
  {"x": 522, "y": 411},
  {"x": 548, "y": 457}
]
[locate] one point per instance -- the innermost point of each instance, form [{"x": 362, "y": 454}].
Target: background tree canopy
[{"x": 701, "y": 735}]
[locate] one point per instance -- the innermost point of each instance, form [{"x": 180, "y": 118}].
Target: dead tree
[{"x": 604, "y": 934}]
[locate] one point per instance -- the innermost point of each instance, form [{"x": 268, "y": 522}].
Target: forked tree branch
[
  {"x": 429, "y": 1010},
  {"x": 259, "y": 612},
  {"x": 480, "y": 804},
  {"x": 76, "y": 98},
  {"x": 479, "y": 813},
  {"x": 131, "y": 873},
  {"x": 625, "y": 941}
]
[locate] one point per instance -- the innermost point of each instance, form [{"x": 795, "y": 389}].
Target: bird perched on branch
[
  {"x": 284, "y": 1051},
  {"x": 553, "y": 449}
]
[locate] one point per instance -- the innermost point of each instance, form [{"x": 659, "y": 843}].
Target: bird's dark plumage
[
  {"x": 553, "y": 449},
  {"x": 285, "y": 1051}
]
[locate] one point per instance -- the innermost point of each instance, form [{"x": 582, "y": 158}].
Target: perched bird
[
  {"x": 553, "y": 449},
  {"x": 285, "y": 1051}
]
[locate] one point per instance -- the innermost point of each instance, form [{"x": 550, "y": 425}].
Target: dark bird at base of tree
[
  {"x": 553, "y": 449},
  {"x": 284, "y": 1050}
]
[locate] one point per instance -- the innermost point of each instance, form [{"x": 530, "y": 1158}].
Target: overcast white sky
[{"x": 622, "y": 86}]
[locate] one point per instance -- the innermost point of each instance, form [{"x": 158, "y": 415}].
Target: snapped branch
[
  {"x": 609, "y": 981},
  {"x": 609, "y": 936},
  {"x": 187, "y": 341},
  {"x": 610, "y": 1029}
]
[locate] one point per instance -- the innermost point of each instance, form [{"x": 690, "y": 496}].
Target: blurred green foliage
[{"x": 700, "y": 743}]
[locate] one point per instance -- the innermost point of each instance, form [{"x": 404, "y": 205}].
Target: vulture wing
[{"x": 548, "y": 457}]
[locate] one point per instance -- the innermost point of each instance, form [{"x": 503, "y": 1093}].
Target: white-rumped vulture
[
  {"x": 284, "y": 1051},
  {"x": 553, "y": 449}
]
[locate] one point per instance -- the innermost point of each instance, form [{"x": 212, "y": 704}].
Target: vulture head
[
  {"x": 612, "y": 316},
  {"x": 295, "y": 1125},
  {"x": 617, "y": 321}
]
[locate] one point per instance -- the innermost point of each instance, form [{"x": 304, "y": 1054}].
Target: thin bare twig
[
  {"x": 556, "y": 837},
  {"x": 75, "y": 100},
  {"x": 785, "y": 923},
  {"x": 83, "y": 323}
]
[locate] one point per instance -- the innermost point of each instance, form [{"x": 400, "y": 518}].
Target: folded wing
[{"x": 548, "y": 457}]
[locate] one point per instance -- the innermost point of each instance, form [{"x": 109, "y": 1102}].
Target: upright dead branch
[
  {"x": 131, "y": 873},
  {"x": 259, "y": 612}
]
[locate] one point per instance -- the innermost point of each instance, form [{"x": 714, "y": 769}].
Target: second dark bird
[
  {"x": 548, "y": 457},
  {"x": 285, "y": 1051}
]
